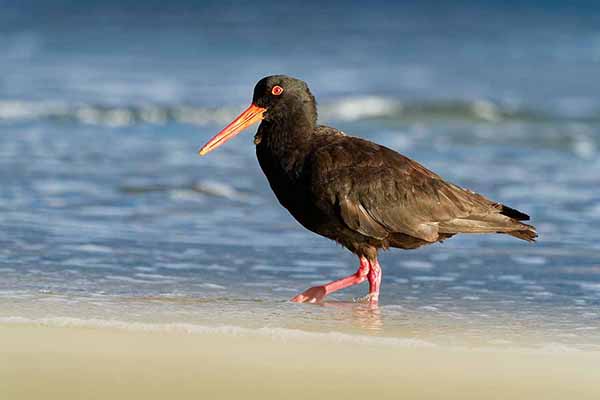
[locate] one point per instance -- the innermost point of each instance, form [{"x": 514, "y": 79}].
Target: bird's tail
[
  {"x": 502, "y": 219},
  {"x": 529, "y": 233}
]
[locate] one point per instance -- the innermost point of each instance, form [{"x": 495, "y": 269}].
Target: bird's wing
[{"x": 377, "y": 191}]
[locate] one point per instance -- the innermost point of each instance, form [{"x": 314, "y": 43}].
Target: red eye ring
[{"x": 277, "y": 90}]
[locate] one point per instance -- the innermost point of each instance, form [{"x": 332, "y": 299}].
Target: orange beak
[{"x": 252, "y": 115}]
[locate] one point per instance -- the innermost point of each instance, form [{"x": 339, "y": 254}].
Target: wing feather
[{"x": 378, "y": 192}]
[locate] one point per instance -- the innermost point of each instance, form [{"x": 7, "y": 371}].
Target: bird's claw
[{"x": 315, "y": 294}]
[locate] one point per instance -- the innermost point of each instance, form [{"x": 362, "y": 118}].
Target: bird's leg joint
[{"x": 363, "y": 269}]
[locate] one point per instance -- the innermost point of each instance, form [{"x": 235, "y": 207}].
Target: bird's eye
[{"x": 277, "y": 90}]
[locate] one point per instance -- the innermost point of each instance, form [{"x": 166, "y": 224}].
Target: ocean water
[{"x": 109, "y": 217}]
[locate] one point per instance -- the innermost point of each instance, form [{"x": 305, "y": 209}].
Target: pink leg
[
  {"x": 374, "y": 277},
  {"x": 317, "y": 294}
]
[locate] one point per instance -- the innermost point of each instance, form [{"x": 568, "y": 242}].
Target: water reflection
[{"x": 367, "y": 317}]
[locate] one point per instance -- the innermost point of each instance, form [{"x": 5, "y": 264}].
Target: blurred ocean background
[{"x": 108, "y": 215}]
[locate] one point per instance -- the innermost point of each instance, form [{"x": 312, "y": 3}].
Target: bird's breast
[
  {"x": 282, "y": 171},
  {"x": 287, "y": 180}
]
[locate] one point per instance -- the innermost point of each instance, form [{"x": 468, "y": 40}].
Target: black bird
[{"x": 360, "y": 194}]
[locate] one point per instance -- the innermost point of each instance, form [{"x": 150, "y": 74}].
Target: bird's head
[{"x": 276, "y": 98}]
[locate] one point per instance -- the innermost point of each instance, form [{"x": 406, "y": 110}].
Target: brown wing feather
[{"x": 379, "y": 192}]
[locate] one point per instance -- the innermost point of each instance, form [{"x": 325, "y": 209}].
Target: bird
[{"x": 360, "y": 194}]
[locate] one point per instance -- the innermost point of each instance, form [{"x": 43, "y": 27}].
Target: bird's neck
[
  {"x": 286, "y": 141},
  {"x": 289, "y": 128}
]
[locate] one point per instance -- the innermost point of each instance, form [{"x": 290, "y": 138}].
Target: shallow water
[{"x": 107, "y": 213}]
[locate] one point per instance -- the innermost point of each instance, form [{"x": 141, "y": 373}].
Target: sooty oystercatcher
[{"x": 360, "y": 194}]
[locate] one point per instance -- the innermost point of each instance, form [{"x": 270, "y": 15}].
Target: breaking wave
[
  {"x": 348, "y": 109},
  {"x": 273, "y": 333}
]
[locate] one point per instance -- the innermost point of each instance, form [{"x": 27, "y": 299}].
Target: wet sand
[{"x": 101, "y": 363}]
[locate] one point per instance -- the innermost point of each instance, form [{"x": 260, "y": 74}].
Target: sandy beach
[{"x": 106, "y": 363}]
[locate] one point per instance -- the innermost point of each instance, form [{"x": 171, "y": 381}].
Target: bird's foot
[
  {"x": 371, "y": 298},
  {"x": 315, "y": 294}
]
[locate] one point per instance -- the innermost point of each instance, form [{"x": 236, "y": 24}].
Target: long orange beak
[{"x": 252, "y": 115}]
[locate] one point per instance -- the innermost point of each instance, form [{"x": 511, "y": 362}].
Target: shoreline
[{"x": 72, "y": 362}]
